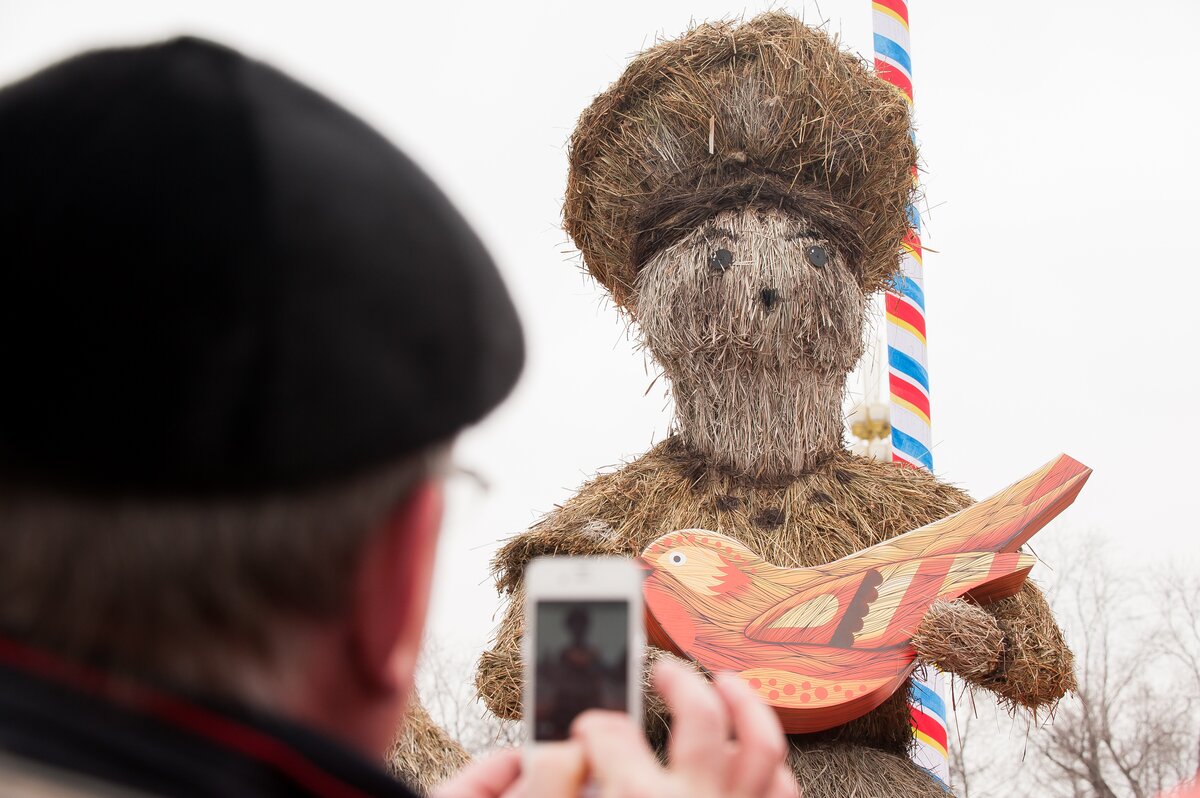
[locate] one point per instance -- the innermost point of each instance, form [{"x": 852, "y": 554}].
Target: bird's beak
[{"x": 647, "y": 568}]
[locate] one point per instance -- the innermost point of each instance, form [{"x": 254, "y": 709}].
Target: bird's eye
[
  {"x": 720, "y": 260},
  {"x": 817, "y": 255},
  {"x": 677, "y": 558}
]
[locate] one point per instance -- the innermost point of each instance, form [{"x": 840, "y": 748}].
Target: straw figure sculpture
[
  {"x": 740, "y": 192},
  {"x": 423, "y": 755}
]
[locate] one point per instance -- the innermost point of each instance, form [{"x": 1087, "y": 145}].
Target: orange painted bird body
[{"x": 827, "y": 644}]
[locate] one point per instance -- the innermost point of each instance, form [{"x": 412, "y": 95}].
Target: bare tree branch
[
  {"x": 448, "y": 692},
  {"x": 1133, "y": 727}
]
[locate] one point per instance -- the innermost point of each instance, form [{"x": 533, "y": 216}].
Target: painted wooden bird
[{"x": 828, "y": 644}]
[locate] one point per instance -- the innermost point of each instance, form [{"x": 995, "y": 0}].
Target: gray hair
[{"x": 188, "y": 591}]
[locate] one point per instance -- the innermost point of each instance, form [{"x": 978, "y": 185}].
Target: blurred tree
[
  {"x": 445, "y": 680},
  {"x": 1133, "y": 727}
]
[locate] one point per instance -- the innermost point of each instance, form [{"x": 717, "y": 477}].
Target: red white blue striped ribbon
[{"x": 908, "y": 371}]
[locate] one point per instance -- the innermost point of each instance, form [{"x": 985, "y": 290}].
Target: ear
[{"x": 392, "y": 593}]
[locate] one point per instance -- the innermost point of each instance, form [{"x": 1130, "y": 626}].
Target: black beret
[{"x": 215, "y": 280}]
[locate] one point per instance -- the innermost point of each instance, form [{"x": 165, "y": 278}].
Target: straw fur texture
[
  {"x": 856, "y": 771},
  {"x": 757, "y": 351},
  {"x": 423, "y": 755},
  {"x": 960, "y": 637}
]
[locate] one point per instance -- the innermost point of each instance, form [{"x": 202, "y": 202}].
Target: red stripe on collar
[{"x": 207, "y": 724}]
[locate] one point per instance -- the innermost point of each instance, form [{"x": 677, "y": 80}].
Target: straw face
[
  {"x": 769, "y": 113},
  {"x": 756, "y": 318},
  {"x": 752, "y": 286}
]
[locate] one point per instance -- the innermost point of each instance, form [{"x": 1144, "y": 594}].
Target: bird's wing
[
  {"x": 866, "y": 603},
  {"x": 1002, "y": 523}
]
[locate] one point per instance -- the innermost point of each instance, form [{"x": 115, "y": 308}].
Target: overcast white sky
[{"x": 1060, "y": 147}]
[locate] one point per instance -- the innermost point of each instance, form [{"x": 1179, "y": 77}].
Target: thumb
[
  {"x": 489, "y": 778},
  {"x": 556, "y": 770}
]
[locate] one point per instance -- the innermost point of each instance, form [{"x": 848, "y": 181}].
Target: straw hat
[{"x": 769, "y": 112}]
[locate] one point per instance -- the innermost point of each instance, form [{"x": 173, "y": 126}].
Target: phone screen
[{"x": 581, "y": 661}]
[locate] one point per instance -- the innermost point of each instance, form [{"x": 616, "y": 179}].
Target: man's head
[
  {"x": 309, "y": 602},
  {"x": 240, "y": 331}
]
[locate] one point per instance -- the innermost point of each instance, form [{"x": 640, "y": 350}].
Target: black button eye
[
  {"x": 817, "y": 255},
  {"x": 721, "y": 260}
]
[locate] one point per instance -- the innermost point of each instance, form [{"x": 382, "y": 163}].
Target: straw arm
[
  {"x": 500, "y": 674},
  {"x": 1012, "y": 647},
  {"x": 1037, "y": 667},
  {"x": 961, "y": 638},
  {"x": 499, "y": 677}
]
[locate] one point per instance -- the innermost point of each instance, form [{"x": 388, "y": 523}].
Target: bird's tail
[
  {"x": 1006, "y": 573},
  {"x": 1002, "y": 523}
]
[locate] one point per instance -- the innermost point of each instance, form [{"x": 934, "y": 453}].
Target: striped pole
[{"x": 908, "y": 373}]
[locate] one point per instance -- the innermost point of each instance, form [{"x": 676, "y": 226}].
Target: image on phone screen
[{"x": 581, "y": 662}]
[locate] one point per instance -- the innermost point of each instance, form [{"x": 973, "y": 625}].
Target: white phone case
[{"x": 572, "y": 587}]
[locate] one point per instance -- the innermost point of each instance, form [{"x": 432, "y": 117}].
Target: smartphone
[{"x": 584, "y": 641}]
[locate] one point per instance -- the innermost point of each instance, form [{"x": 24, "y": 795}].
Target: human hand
[
  {"x": 498, "y": 776},
  {"x": 724, "y": 744}
]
